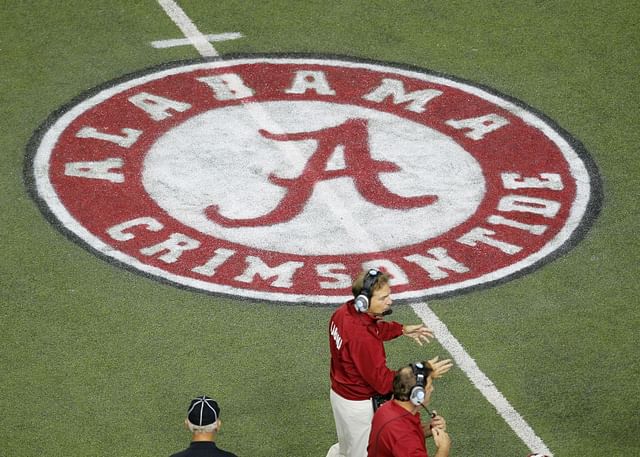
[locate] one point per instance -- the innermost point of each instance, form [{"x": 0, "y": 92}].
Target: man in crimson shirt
[
  {"x": 359, "y": 369},
  {"x": 396, "y": 429}
]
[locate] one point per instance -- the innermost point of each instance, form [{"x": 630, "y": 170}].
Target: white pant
[{"x": 353, "y": 424}]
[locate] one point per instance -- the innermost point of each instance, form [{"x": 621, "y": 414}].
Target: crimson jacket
[
  {"x": 395, "y": 432},
  {"x": 358, "y": 360}
]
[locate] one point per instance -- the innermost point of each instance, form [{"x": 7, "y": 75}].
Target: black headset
[
  {"x": 417, "y": 393},
  {"x": 362, "y": 300}
]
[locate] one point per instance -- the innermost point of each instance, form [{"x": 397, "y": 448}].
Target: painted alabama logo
[{"x": 280, "y": 177}]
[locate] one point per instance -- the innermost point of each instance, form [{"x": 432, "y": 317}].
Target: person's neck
[
  {"x": 413, "y": 409},
  {"x": 203, "y": 437}
]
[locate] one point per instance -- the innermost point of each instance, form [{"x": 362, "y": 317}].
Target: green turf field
[{"x": 98, "y": 360}]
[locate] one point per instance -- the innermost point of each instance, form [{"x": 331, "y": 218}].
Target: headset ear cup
[
  {"x": 417, "y": 395},
  {"x": 361, "y": 303}
]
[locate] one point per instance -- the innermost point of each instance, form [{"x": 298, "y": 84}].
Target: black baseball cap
[{"x": 203, "y": 411}]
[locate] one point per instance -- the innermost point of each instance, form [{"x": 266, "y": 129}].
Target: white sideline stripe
[
  {"x": 480, "y": 380},
  {"x": 188, "y": 28},
  {"x": 161, "y": 44},
  {"x": 448, "y": 341}
]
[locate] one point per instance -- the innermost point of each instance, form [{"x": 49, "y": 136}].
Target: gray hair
[{"x": 209, "y": 428}]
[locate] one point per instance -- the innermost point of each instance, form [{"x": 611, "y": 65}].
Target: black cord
[{"x": 431, "y": 415}]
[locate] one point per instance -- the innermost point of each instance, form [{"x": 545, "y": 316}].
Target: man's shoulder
[
  {"x": 201, "y": 449},
  {"x": 217, "y": 453},
  {"x": 223, "y": 453},
  {"x": 347, "y": 314},
  {"x": 388, "y": 410},
  {"x": 342, "y": 310}
]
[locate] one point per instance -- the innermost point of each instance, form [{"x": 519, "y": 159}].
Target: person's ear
[
  {"x": 186, "y": 424},
  {"x": 219, "y": 425}
]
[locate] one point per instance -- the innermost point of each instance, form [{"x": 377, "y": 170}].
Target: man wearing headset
[
  {"x": 396, "y": 429},
  {"x": 359, "y": 372}
]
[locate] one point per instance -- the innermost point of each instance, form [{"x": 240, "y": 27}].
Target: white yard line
[
  {"x": 161, "y": 44},
  {"x": 448, "y": 341},
  {"x": 188, "y": 28},
  {"x": 466, "y": 363}
]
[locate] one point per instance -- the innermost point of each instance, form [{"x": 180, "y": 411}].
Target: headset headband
[
  {"x": 369, "y": 280},
  {"x": 362, "y": 300},
  {"x": 417, "y": 393}
]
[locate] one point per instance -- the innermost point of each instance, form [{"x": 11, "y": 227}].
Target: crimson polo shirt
[
  {"x": 358, "y": 360},
  {"x": 395, "y": 432}
]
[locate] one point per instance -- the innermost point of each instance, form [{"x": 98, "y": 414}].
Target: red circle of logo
[{"x": 279, "y": 178}]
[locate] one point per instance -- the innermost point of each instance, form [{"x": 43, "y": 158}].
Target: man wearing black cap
[{"x": 203, "y": 421}]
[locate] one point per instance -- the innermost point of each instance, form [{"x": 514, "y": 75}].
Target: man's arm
[
  {"x": 443, "y": 442},
  {"x": 418, "y": 333},
  {"x": 410, "y": 445},
  {"x": 368, "y": 357},
  {"x": 389, "y": 330}
]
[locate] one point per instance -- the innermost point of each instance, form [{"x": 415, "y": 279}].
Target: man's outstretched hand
[
  {"x": 439, "y": 367},
  {"x": 418, "y": 332}
]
